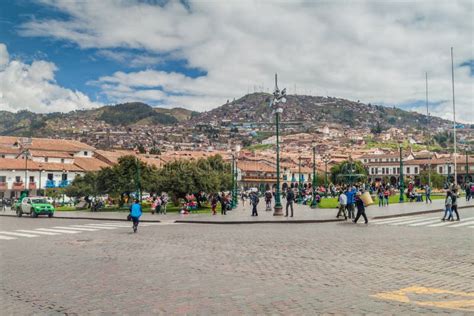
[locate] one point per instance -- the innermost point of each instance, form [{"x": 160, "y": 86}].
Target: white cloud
[
  {"x": 32, "y": 87},
  {"x": 371, "y": 51}
]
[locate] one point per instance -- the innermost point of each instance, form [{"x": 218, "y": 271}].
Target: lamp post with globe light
[
  {"x": 278, "y": 97},
  {"x": 314, "y": 182}
]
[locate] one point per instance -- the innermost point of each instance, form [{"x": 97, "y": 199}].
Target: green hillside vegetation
[{"x": 131, "y": 113}]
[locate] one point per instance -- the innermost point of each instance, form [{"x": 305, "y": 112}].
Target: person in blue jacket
[
  {"x": 351, "y": 192},
  {"x": 135, "y": 213}
]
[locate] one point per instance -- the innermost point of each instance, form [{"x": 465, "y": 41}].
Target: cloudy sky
[{"x": 66, "y": 55}]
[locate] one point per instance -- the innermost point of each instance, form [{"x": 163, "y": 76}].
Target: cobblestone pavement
[{"x": 330, "y": 268}]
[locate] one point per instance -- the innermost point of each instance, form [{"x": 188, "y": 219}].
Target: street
[{"x": 405, "y": 265}]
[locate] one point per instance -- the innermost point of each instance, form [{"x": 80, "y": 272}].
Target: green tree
[
  {"x": 437, "y": 180},
  {"x": 83, "y": 186}
]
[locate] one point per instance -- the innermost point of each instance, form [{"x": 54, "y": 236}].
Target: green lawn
[
  {"x": 146, "y": 209},
  {"x": 332, "y": 202}
]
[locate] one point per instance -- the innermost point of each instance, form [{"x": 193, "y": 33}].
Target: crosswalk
[
  {"x": 419, "y": 221},
  {"x": 71, "y": 229}
]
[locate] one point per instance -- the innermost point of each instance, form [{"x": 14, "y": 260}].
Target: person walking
[
  {"x": 428, "y": 193},
  {"x": 380, "y": 196},
  {"x": 164, "y": 202},
  {"x": 350, "y": 193},
  {"x": 448, "y": 202},
  {"x": 290, "y": 198},
  {"x": 386, "y": 194},
  {"x": 135, "y": 213},
  {"x": 214, "y": 204},
  {"x": 268, "y": 200},
  {"x": 454, "y": 206},
  {"x": 342, "y": 205},
  {"x": 468, "y": 192},
  {"x": 242, "y": 198},
  {"x": 254, "y": 200},
  {"x": 223, "y": 201},
  {"x": 360, "y": 209}
]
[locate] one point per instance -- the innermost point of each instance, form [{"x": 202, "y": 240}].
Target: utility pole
[
  {"x": 454, "y": 119},
  {"x": 428, "y": 130},
  {"x": 402, "y": 183},
  {"x": 314, "y": 182}
]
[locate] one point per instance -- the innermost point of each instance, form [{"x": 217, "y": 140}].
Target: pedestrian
[
  {"x": 154, "y": 204},
  {"x": 350, "y": 193},
  {"x": 468, "y": 192},
  {"x": 380, "y": 196},
  {"x": 342, "y": 205},
  {"x": 448, "y": 202},
  {"x": 254, "y": 200},
  {"x": 268, "y": 200},
  {"x": 428, "y": 193},
  {"x": 135, "y": 213},
  {"x": 242, "y": 198},
  {"x": 290, "y": 197},
  {"x": 214, "y": 204},
  {"x": 386, "y": 195},
  {"x": 454, "y": 206},
  {"x": 360, "y": 209},
  {"x": 164, "y": 202},
  {"x": 158, "y": 203},
  {"x": 223, "y": 201}
]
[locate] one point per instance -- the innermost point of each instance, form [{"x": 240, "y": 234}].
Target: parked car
[{"x": 35, "y": 206}]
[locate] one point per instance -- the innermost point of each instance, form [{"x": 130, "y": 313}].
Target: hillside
[
  {"x": 26, "y": 123},
  {"x": 318, "y": 110}
]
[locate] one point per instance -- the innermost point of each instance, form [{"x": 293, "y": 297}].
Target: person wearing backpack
[
  {"x": 454, "y": 206},
  {"x": 448, "y": 203},
  {"x": 254, "y": 200},
  {"x": 290, "y": 197}
]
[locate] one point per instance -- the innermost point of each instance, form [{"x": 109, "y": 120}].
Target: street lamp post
[
  {"x": 326, "y": 160},
  {"x": 314, "y": 182},
  {"x": 278, "y": 97},
  {"x": 300, "y": 184},
  {"x": 466, "y": 168},
  {"x": 402, "y": 183},
  {"x": 234, "y": 201},
  {"x": 138, "y": 180}
]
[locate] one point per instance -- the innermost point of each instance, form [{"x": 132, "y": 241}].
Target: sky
[{"x": 67, "y": 55}]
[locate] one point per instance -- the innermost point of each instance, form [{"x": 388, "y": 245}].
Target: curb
[
  {"x": 418, "y": 213},
  {"x": 296, "y": 221}
]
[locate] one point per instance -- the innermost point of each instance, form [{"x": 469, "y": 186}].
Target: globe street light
[
  {"x": 314, "y": 182},
  {"x": 300, "y": 184},
  {"x": 234, "y": 201},
  {"x": 278, "y": 97},
  {"x": 326, "y": 160},
  {"x": 402, "y": 183}
]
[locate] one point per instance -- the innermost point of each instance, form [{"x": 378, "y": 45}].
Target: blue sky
[{"x": 65, "y": 55}]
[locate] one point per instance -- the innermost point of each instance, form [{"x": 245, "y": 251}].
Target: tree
[
  {"x": 437, "y": 180},
  {"x": 83, "y": 186},
  {"x": 155, "y": 151},
  {"x": 377, "y": 129}
]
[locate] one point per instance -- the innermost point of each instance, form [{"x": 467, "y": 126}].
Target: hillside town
[{"x": 39, "y": 164}]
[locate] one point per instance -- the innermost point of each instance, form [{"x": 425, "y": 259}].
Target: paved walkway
[{"x": 243, "y": 214}]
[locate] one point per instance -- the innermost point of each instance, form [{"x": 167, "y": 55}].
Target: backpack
[{"x": 256, "y": 200}]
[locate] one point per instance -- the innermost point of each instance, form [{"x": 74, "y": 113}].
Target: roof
[
  {"x": 52, "y": 154},
  {"x": 90, "y": 164},
  {"x": 20, "y": 164},
  {"x": 48, "y": 144},
  {"x": 255, "y": 166}
]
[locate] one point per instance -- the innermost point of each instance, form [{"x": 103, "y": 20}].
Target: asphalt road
[{"x": 386, "y": 267}]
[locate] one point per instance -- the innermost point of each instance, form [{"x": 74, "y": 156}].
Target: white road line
[
  {"x": 394, "y": 220},
  {"x": 58, "y": 231},
  {"x": 445, "y": 223},
  {"x": 37, "y": 232},
  {"x": 77, "y": 228},
  {"x": 427, "y": 222},
  {"x": 113, "y": 225},
  {"x": 19, "y": 234},
  {"x": 6, "y": 238},
  {"x": 98, "y": 226},
  {"x": 412, "y": 221},
  {"x": 463, "y": 223}
]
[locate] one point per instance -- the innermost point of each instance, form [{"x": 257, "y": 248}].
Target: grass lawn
[
  {"x": 332, "y": 202},
  {"x": 146, "y": 209}
]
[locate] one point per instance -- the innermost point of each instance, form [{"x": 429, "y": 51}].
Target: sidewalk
[{"x": 241, "y": 215}]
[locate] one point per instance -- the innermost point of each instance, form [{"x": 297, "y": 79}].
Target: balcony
[
  {"x": 32, "y": 186},
  {"x": 18, "y": 186},
  {"x": 50, "y": 184},
  {"x": 3, "y": 186},
  {"x": 64, "y": 183}
]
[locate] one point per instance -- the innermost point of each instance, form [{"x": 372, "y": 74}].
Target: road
[{"x": 95, "y": 267}]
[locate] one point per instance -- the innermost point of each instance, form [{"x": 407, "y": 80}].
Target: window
[
  {"x": 64, "y": 176},
  {"x": 50, "y": 176},
  {"x": 416, "y": 170},
  {"x": 440, "y": 170},
  {"x": 45, "y": 159},
  {"x": 3, "y": 179},
  {"x": 17, "y": 179},
  {"x": 383, "y": 170},
  {"x": 3, "y": 156},
  {"x": 86, "y": 153},
  {"x": 394, "y": 170},
  {"x": 62, "y": 160},
  {"x": 365, "y": 160},
  {"x": 408, "y": 170},
  {"x": 449, "y": 169},
  {"x": 398, "y": 170},
  {"x": 32, "y": 179}
]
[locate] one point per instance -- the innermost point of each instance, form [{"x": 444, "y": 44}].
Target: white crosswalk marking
[
  {"x": 58, "y": 231},
  {"x": 99, "y": 226},
  {"x": 445, "y": 223},
  {"x": 77, "y": 228},
  {"x": 411, "y": 221},
  {"x": 6, "y": 238},
  {"x": 426, "y": 222},
  {"x": 112, "y": 225},
  {"x": 37, "y": 232},
  {"x": 19, "y": 234},
  {"x": 466, "y": 222},
  {"x": 394, "y": 220}
]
